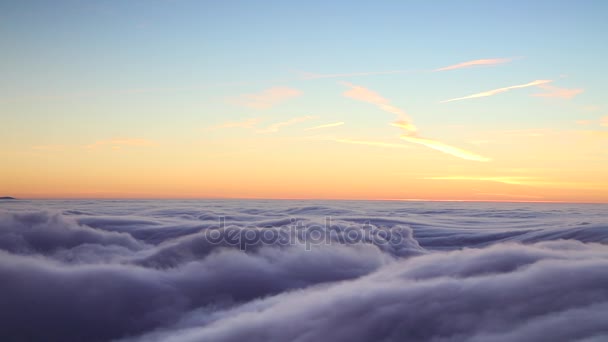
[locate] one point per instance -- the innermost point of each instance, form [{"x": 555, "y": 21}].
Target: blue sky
[
  {"x": 76, "y": 72},
  {"x": 177, "y": 43}
]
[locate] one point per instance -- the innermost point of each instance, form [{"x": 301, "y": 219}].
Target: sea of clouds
[{"x": 227, "y": 270}]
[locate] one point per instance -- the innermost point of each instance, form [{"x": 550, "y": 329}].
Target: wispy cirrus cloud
[
  {"x": 277, "y": 126},
  {"x": 499, "y": 90},
  {"x": 119, "y": 143},
  {"x": 329, "y": 125},
  {"x": 477, "y": 62},
  {"x": 268, "y": 98},
  {"x": 366, "y": 95},
  {"x": 404, "y": 123},
  {"x": 467, "y": 64},
  {"x": 445, "y": 148},
  {"x": 557, "y": 92}
]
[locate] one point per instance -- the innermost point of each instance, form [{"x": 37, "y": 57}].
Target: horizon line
[{"x": 301, "y": 199}]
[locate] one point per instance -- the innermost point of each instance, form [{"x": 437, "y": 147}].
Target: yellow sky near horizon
[{"x": 317, "y": 167}]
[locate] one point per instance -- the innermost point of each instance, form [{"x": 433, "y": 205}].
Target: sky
[{"x": 396, "y": 100}]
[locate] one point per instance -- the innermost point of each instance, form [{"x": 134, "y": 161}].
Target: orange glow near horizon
[{"x": 316, "y": 169}]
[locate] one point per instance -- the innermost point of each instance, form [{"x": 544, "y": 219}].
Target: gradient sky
[{"x": 438, "y": 100}]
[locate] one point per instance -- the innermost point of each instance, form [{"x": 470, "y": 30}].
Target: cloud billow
[
  {"x": 142, "y": 271},
  {"x": 504, "y": 293}
]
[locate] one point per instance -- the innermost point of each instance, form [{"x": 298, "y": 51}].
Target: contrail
[{"x": 499, "y": 90}]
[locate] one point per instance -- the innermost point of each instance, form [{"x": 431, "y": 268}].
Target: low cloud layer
[
  {"x": 286, "y": 271},
  {"x": 503, "y": 293}
]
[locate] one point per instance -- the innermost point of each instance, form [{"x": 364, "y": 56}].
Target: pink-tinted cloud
[
  {"x": 557, "y": 92},
  {"x": 498, "y": 91},
  {"x": 604, "y": 121},
  {"x": 277, "y": 126},
  {"x": 268, "y": 98},
  {"x": 477, "y": 62}
]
